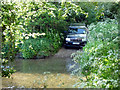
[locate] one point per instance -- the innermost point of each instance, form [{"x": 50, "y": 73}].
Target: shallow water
[
  {"x": 53, "y": 65},
  {"x": 59, "y": 63},
  {"x": 50, "y": 72}
]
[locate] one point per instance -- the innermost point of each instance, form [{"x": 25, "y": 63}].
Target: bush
[
  {"x": 56, "y": 39},
  {"x": 33, "y": 47},
  {"x": 8, "y": 52},
  {"x": 6, "y": 69},
  {"x": 99, "y": 61}
]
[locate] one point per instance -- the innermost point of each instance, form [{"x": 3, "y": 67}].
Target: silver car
[{"x": 76, "y": 36}]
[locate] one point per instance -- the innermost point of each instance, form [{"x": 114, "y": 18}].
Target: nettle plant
[{"x": 99, "y": 60}]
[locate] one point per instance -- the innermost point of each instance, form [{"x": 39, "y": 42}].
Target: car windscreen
[
  {"x": 81, "y": 31},
  {"x": 76, "y": 31}
]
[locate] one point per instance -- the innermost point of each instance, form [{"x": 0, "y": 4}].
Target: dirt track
[{"x": 64, "y": 53}]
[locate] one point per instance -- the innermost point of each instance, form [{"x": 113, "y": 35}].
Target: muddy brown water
[{"x": 28, "y": 70}]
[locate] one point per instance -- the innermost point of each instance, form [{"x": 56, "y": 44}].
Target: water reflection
[
  {"x": 59, "y": 63},
  {"x": 53, "y": 65}
]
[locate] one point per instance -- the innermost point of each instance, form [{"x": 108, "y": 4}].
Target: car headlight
[
  {"x": 84, "y": 39},
  {"x": 67, "y": 39}
]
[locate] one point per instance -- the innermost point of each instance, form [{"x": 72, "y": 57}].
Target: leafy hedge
[
  {"x": 32, "y": 47},
  {"x": 6, "y": 69},
  {"x": 99, "y": 59},
  {"x": 35, "y": 45}
]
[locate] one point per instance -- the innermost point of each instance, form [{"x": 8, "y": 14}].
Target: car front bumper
[{"x": 75, "y": 44}]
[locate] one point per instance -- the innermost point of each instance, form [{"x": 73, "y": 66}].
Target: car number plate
[{"x": 76, "y": 43}]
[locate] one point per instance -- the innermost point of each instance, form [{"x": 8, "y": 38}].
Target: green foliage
[
  {"x": 33, "y": 47},
  {"x": 11, "y": 36},
  {"x": 72, "y": 12},
  {"x": 94, "y": 11},
  {"x": 6, "y": 69},
  {"x": 55, "y": 38},
  {"x": 99, "y": 61},
  {"x": 97, "y": 11},
  {"x": 19, "y": 20},
  {"x": 41, "y": 46},
  {"x": 111, "y": 9}
]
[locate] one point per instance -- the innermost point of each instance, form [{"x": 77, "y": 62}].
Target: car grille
[{"x": 75, "y": 40}]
